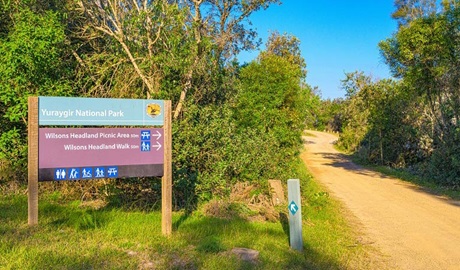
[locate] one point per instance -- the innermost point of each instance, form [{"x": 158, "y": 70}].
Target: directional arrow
[
  {"x": 293, "y": 207},
  {"x": 157, "y": 145},
  {"x": 157, "y": 136}
]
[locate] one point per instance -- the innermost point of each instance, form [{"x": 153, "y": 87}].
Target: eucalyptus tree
[
  {"x": 409, "y": 10},
  {"x": 226, "y": 26},
  {"x": 179, "y": 50},
  {"x": 424, "y": 54},
  {"x": 130, "y": 43},
  {"x": 355, "y": 111},
  {"x": 148, "y": 45},
  {"x": 288, "y": 47},
  {"x": 377, "y": 120}
]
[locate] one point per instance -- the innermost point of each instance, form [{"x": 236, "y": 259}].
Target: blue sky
[{"x": 337, "y": 36}]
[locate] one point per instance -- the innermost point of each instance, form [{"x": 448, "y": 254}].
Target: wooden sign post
[
  {"x": 166, "y": 184},
  {"x": 61, "y": 154},
  {"x": 33, "y": 161}
]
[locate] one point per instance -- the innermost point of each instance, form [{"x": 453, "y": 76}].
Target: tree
[
  {"x": 224, "y": 23},
  {"x": 410, "y": 10},
  {"x": 129, "y": 41},
  {"x": 355, "y": 113},
  {"x": 424, "y": 54},
  {"x": 33, "y": 61},
  {"x": 157, "y": 41},
  {"x": 274, "y": 98},
  {"x": 288, "y": 47},
  {"x": 227, "y": 24},
  {"x": 328, "y": 115},
  {"x": 376, "y": 121}
]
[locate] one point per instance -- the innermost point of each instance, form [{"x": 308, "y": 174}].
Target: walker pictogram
[
  {"x": 74, "y": 173},
  {"x": 100, "y": 172},
  {"x": 87, "y": 173},
  {"x": 145, "y": 146}
]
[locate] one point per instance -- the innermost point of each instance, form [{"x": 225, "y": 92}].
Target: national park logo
[{"x": 153, "y": 110}]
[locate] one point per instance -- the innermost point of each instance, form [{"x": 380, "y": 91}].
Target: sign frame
[{"x": 92, "y": 107}]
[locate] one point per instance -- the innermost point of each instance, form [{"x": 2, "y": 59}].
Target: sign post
[
  {"x": 166, "y": 181},
  {"x": 33, "y": 161},
  {"x": 295, "y": 214},
  {"x": 93, "y": 153}
]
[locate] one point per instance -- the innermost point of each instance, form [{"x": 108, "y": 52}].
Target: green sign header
[{"x": 60, "y": 111}]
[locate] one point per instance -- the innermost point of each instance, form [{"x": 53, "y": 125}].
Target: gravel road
[{"x": 412, "y": 228}]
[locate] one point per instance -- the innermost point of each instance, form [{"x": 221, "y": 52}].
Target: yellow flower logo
[{"x": 153, "y": 110}]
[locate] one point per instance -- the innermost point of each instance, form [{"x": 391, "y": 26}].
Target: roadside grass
[
  {"x": 422, "y": 182},
  {"x": 307, "y": 133},
  {"x": 71, "y": 235},
  {"x": 402, "y": 174}
]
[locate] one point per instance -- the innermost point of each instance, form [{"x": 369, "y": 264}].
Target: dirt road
[{"x": 416, "y": 230}]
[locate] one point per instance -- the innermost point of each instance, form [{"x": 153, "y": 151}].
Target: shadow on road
[
  {"x": 339, "y": 160},
  {"x": 306, "y": 141}
]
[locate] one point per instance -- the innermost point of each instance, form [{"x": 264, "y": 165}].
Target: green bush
[{"x": 31, "y": 63}]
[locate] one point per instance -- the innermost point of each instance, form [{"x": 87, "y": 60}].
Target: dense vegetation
[
  {"x": 231, "y": 122},
  {"x": 411, "y": 121}
]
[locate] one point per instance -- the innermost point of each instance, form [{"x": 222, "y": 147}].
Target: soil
[
  {"x": 246, "y": 202},
  {"x": 412, "y": 228}
]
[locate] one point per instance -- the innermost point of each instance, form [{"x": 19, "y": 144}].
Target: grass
[
  {"x": 73, "y": 236},
  {"x": 309, "y": 134},
  {"x": 424, "y": 183},
  {"x": 402, "y": 174}
]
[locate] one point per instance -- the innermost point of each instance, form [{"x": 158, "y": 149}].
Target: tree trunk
[{"x": 189, "y": 76}]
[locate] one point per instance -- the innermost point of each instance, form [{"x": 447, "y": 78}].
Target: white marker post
[{"x": 295, "y": 215}]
